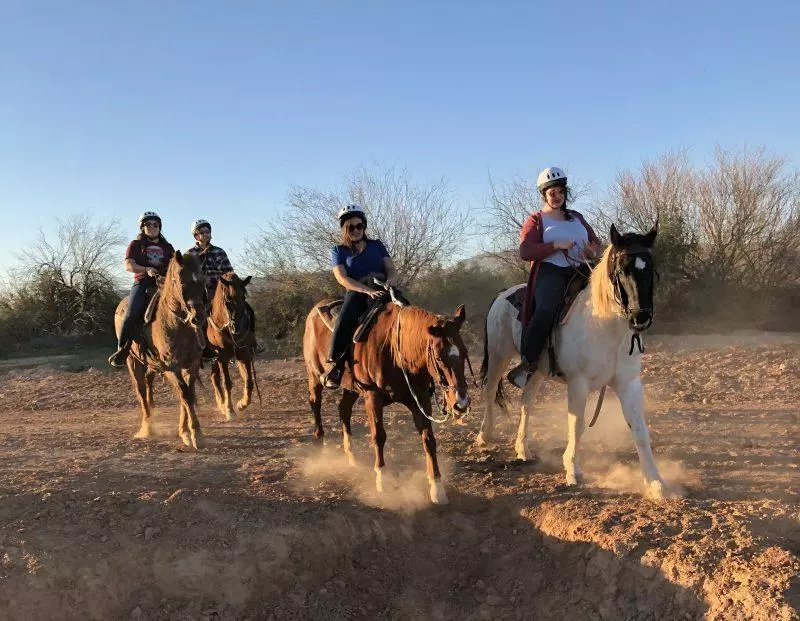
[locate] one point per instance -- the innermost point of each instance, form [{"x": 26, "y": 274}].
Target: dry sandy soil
[{"x": 263, "y": 525}]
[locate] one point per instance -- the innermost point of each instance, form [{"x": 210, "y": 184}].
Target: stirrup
[
  {"x": 333, "y": 378},
  {"x": 118, "y": 358},
  {"x": 520, "y": 374}
]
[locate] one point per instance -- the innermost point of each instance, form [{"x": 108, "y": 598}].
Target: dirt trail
[{"x": 263, "y": 525}]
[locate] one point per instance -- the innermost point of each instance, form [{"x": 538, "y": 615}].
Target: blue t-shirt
[{"x": 368, "y": 261}]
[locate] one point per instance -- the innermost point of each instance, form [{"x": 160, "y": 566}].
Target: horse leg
[
  {"x": 521, "y": 446},
  {"x": 188, "y": 426},
  {"x": 374, "y": 406},
  {"x": 247, "y": 374},
  {"x": 230, "y": 413},
  {"x": 577, "y": 392},
  {"x": 315, "y": 400},
  {"x": 198, "y": 441},
  {"x": 216, "y": 382},
  {"x": 494, "y": 375},
  {"x": 149, "y": 377},
  {"x": 631, "y": 396},
  {"x": 137, "y": 373},
  {"x": 425, "y": 430},
  {"x": 346, "y": 403}
]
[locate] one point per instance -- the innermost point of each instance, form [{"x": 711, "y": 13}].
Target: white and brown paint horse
[{"x": 593, "y": 350}]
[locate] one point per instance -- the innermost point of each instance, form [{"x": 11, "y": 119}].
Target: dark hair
[
  {"x": 347, "y": 241},
  {"x": 567, "y": 199},
  {"x": 141, "y": 237}
]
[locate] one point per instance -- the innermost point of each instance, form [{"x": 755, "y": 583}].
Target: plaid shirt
[{"x": 216, "y": 264}]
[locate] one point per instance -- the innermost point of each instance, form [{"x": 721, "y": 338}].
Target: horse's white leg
[
  {"x": 631, "y": 396},
  {"x": 526, "y": 411},
  {"x": 577, "y": 392},
  {"x": 494, "y": 375}
]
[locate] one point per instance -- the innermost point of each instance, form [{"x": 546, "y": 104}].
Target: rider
[
  {"x": 147, "y": 257},
  {"x": 215, "y": 264},
  {"x": 355, "y": 262},
  {"x": 555, "y": 240}
]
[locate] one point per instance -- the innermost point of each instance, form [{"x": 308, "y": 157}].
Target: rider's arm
[
  {"x": 349, "y": 283},
  {"x": 531, "y": 246},
  {"x": 388, "y": 268}
]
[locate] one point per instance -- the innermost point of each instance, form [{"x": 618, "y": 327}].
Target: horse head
[
  {"x": 231, "y": 307},
  {"x": 446, "y": 357},
  {"x": 632, "y": 272},
  {"x": 184, "y": 289}
]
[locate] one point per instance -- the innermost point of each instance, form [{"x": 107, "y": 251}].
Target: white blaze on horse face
[
  {"x": 453, "y": 352},
  {"x": 639, "y": 264}
]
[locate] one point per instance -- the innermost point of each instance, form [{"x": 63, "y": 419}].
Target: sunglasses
[
  {"x": 357, "y": 227},
  {"x": 150, "y": 223}
]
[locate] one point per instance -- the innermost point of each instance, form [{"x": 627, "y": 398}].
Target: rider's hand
[
  {"x": 374, "y": 293},
  {"x": 563, "y": 244},
  {"x": 592, "y": 250},
  {"x": 151, "y": 271}
]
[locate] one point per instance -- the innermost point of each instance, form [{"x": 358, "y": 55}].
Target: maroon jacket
[{"x": 533, "y": 249}]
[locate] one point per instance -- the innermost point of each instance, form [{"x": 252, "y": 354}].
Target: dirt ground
[{"x": 262, "y": 524}]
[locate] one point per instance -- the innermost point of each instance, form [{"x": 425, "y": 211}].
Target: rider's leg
[
  {"x": 132, "y": 322},
  {"x": 355, "y": 303},
  {"x": 551, "y": 282}
]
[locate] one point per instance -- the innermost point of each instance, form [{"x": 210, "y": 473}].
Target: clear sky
[{"x": 214, "y": 109}]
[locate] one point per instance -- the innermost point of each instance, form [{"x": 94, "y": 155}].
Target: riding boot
[
  {"x": 333, "y": 378},
  {"x": 521, "y": 373},
  {"x": 118, "y": 358}
]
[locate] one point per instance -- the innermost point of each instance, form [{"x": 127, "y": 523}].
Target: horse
[
  {"x": 230, "y": 332},
  {"x": 406, "y": 349},
  {"x": 174, "y": 343},
  {"x": 594, "y": 348}
]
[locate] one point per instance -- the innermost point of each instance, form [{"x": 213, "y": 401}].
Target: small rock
[
  {"x": 136, "y": 613},
  {"x": 150, "y": 532},
  {"x": 104, "y": 538},
  {"x": 480, "y": 584},
  {"x": 494, "y": 600}
]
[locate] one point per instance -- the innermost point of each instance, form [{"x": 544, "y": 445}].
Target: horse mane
[
  {"x": 604, "y": 304},
  {"x": 172, "y": 281},
  {"x": 411, "y": 350}
]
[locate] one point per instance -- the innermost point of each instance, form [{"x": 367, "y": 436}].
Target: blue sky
[{"x": 212, "y": 109}]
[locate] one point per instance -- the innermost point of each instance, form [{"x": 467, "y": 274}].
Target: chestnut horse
[
  {"x": 406, "y": 349},
  {"x": 174, "y": 345},
  {"x": 230, "y": 332}
]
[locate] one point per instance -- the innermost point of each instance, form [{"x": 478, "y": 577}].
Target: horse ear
[
  {"x": 226, "y": 277},
  {"x": 616, "y": 238},
  {"x": 650, "y": 238},
  {"x": 461, "y": 315},
  {"x": 178, "y": 257},
  {"x": 247, "y": 280}
]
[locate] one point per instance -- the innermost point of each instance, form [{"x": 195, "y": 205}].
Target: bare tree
[
  {"x": 420, "y": 224},
  {"x": 71, "y": 277}
]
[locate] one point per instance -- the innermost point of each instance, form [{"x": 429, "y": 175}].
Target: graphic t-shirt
[
  {"x": 368, "y": 261},
  {"x": 150, "y": 254}
]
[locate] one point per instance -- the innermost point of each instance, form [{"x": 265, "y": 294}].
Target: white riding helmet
[
  {"x": 149, "y": 215},
  {"x": 351, "y": 211},
  {"x": 550, "y": 177},
  {"x": 198, "y": 223}
]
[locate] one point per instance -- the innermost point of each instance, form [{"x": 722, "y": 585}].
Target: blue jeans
[
  {"x": 355, "y": 304},
  {"x": 551, "y": 283},
  {"x": 134, "y": 314}
]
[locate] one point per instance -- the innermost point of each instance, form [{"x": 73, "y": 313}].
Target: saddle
[
  {"x": 578, "y": 282},
  {"x": 329, "y": 312}
]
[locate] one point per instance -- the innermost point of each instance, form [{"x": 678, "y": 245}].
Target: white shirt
[{"x": 559, "y": 230}]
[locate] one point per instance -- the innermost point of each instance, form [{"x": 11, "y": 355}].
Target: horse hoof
[
  {"x": 656, "y": 490},
  {"x": 438, "y": 495},
  {"x": 483, "y": 439},
  {"x": 575, "y": 479},
  {"x": 198, "y": 441},
  {"x": 142, "y": 434},
  {"x": 187, "y": 439},
  {"x": 241, "y": 405}
]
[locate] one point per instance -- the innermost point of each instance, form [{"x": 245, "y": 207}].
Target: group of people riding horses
[{"x": 554, "y": 240}]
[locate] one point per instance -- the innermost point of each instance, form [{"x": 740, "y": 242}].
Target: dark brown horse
[
  {"x": 175, "y": 342},
  {"x": 405, "y": 351},
  {"x": 229, "y": 330}
]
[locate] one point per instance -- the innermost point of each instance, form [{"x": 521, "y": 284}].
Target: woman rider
[
  {"x": 355, "y": 262},
  {"x": 555, "y": 240},
  {"x": 147, "y": 257}
]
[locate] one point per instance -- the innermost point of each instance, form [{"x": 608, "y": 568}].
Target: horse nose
[
  {"x": 642, "y": 320},
  {"x": 463, "y": 402}
]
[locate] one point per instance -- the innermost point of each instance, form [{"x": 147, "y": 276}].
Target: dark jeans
[
  {"x": 551, "y": 283},
  {"x": 355, "y": 303},
  {"x": 134, "y": 314}
]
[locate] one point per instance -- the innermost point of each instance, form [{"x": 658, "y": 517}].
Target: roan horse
[
  {"x": 174, "y": 346},
  {"x": 230, "y": 332},
  {"x": 594, "y": 349},
  {"x": 404, "y": 351}
]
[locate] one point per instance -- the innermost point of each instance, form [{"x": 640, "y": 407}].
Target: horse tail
[{"x": 500, "y": 396}]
